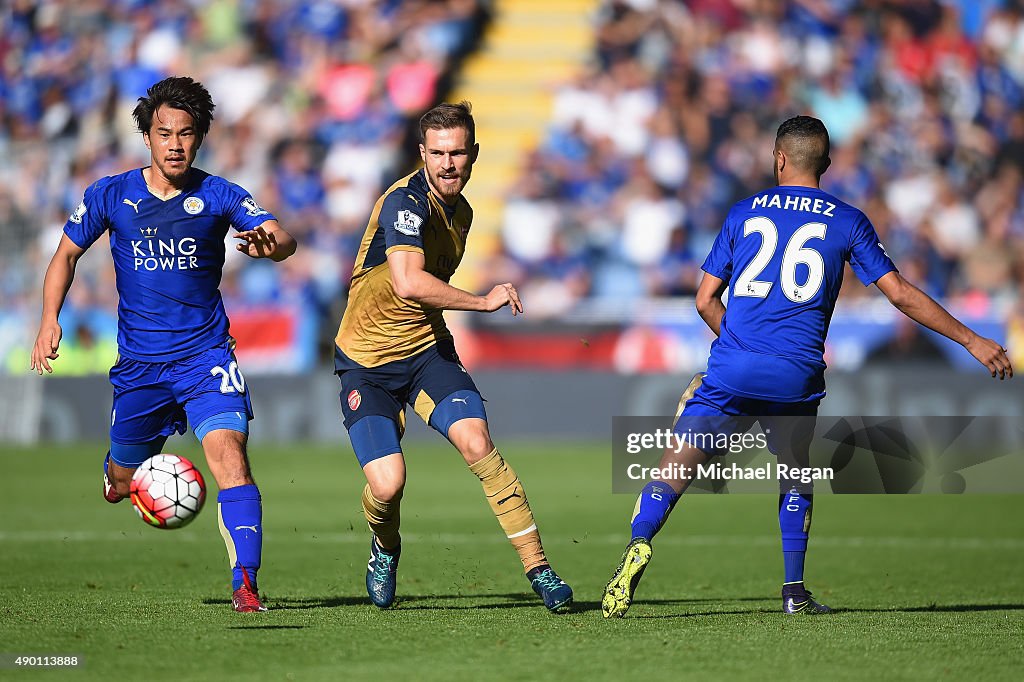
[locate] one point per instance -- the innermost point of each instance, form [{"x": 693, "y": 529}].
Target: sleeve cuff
[{"x": 403, "y": 247}]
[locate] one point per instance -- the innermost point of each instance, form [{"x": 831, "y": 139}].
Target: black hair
[
  {"x": 805, "y": 141},
  {"x": 446, "y": 116},
  {"x": 179, "y": 92}
]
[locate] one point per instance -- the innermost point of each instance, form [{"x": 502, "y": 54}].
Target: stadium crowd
[
  {"x": 675, "y": 116},
  {"x": 670, "y": 123},
  {"x": 314, "y": 104}
]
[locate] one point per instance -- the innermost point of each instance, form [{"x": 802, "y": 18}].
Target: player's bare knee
[
  {"x": 227, "y": 459},
  {"x": 475, "y": 447},
  {"x": 471, "y": 438},
  {"x": 386, "y": 476},
  {"x": 231, "y": 471},
  {"x": 387, "y": 489}
]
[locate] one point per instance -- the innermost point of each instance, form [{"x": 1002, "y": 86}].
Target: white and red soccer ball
[{"x": 167, "y": 491}]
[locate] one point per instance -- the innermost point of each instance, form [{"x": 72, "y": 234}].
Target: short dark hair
[
  {"x": 179, "y": 92},
  {"x": 446, "y": 116},
  {"x": 805, "y": 141}
]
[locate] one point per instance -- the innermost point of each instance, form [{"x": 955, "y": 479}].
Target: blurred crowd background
[
  {"x": 670, "y": 121},
  {"x": 674, "y": 121}
]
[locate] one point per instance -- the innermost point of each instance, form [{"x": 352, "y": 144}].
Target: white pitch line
[{"x": 668, "y": 539}]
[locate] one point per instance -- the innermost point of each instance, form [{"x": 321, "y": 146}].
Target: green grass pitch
[{"x": 926, "y": 587}]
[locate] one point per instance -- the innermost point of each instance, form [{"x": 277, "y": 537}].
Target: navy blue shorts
[
  {"x": 157, "y": 399},
  {"x": 788, "y": 427},
  {"x": 422, "y": 381}
]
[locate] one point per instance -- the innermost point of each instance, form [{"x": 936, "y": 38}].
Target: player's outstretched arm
[
  {"x": 709, "y": 301},
  {"x": 413, "y": 282},
  {"x": 269, "y": 240},
  {"x": 921, "y": 308},
  {"x": 59, "y": 275}
]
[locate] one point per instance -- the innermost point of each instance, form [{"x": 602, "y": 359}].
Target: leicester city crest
[{"x": 193, "y": 205}]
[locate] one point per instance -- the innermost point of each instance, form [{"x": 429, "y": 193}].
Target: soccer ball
[{"x": 167, "y": 491}]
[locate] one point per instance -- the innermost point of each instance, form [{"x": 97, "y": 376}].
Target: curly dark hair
[
  {"x": 805, "y": 141},
  {"x": 446, "y": 116},
  {"x": 179, "y": 92}
]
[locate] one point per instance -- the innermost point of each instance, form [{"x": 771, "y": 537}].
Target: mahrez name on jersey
[{"x": 791, "y": 203}]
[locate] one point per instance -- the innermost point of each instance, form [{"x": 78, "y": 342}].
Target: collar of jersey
[{"x": 158, "y": 195}]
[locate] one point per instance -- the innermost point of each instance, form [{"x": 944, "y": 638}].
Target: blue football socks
[
  {"x": 652, "y": 508},
  {"x": 795, "y": 524},
  {"x": 241, "y": 519}
]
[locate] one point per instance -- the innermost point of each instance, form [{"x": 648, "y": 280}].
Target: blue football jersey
[
  {"x": 783, "y": 253},
  {"x": 168, "y": 258}
]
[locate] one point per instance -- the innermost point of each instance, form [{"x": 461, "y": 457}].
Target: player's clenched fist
[
  {"x": 503, "y": 295},
  {"x": 47, "y": 342}
]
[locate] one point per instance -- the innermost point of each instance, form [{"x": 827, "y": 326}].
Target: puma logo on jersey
[
  {"x": 460, "y": 400},
  {"x": 133, "y": 204},
  {"x": 506, "y": 499},
  {"x": 414, "y": 199}
]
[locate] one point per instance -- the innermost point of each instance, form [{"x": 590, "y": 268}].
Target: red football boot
[{"x": 245, "y": 599}]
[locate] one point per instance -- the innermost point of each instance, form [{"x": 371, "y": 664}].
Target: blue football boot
[
  {"x": 382, "y": 574},
  {"x": 556, "y": 594}
]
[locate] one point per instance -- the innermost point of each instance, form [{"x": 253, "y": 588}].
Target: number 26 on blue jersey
[{"x": 795, "y": 253}]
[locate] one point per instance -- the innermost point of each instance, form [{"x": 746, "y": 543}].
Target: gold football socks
[
  {"x": 508, "y": 501},
  {"x": 383, "y": 518}
]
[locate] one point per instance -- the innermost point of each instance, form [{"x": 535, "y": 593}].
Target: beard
[{"x": 446, "y": 190}]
